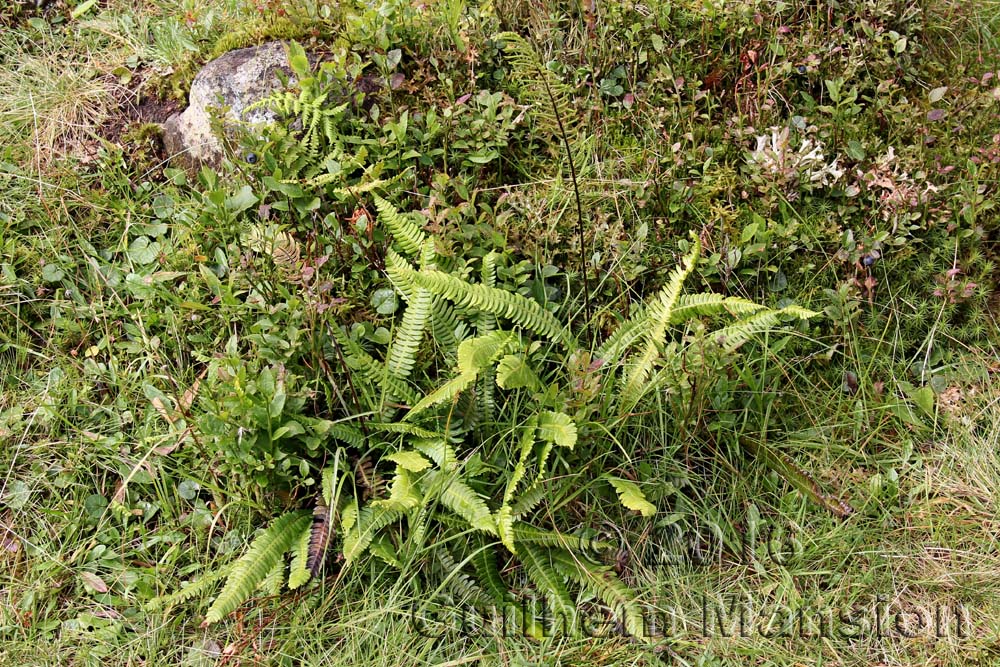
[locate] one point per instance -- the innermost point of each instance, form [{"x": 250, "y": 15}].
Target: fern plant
[{"x": 510, "y": 385}]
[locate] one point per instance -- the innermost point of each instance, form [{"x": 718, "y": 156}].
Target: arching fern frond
[
  {"x": 549, "y": 581},
  {"x": 734, "y": 335},
  {"x": 519, "y": 310},
  {"x": 264, "y": 554},
  {"x": 603, "y": 583},
  {"x": 459, "y": 497}
]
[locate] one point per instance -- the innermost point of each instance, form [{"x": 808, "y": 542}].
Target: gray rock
[{"x": 234, "y": 82}]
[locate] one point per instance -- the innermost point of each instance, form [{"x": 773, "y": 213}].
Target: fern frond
[
  {"x": 623, "y": 337},
  {"x": 193, "y": 588},
  {"x": 466, "y": 588},
  {"x": 485, "y": 563},
  {"x": 658, "y": 316},
  {"x": 371, "y": 519},
  {"x": 603, "y": 583},
  {"x": 446, "y": 392},
  {"x": 459, "y": 497},
  {"x": 557, "y": 428},
  {"x": 406, "y": 232},
  {"x": 529, "y": 500},
  {"x": 299, "y": 571},
  {"x": 447, "y": 328},
  {"x": 700, "y": 305},
  {"x": 406, "y": 341},
  {"x": 519, "y": 310},
  {"x": 271, "y": 584},
  {"x": 528, "y": 534},
  {"x": 382, "y": 547},
  {"x": 474, "y": 355},
  {"x": 320, "y": 536},
  {"x": 538, "y": 565},
  {"x": 372, "y": 370},
  {"x": 551, "y": 100},
  {"x": 734, "y": 335},
  {"x": 404, "y": 428},
  {"x": 264, "y": 554},
  {"x": 400, "y": 273},
  {"x": 403, "y": 494},
  {"x": 439, "y": 451}
]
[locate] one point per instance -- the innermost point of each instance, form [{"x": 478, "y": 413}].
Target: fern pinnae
[
  {"x": 371, "y": 519},
  {"x": 299, "y": 572},
  {"x": 529, "y": 499},
  {"x": 264, "y": 554},
  {"x": 193, "y": 588},
  {"x": 733, "y": 336}
]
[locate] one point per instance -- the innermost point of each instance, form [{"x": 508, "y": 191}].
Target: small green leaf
[
  {"x": 632, "y": 496},
  {"x": 51, "y": 273},
  {"x": 143, "y": 251},
  {"x": 82, "y": 9},
  {"x": 513, "y": 372},
  {"x": 924, "y": 398},
  {"x": 384, "y": 301}
]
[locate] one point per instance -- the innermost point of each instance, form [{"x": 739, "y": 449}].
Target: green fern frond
[
  {"x": 551, "y": 100},
  {"x": 538, "y": 565},
  {"x": 404, "y": 428},
  {"x": 371, "y": 369},
  {"x": 266, "y": 551},
  {"x": 513, "y": 372},
  {"x": 557, "y": 428},
  {"x": 371, "y": 519},
  {"x": 193, "y": 589},
  {"x": 271, "y": 584},
  {"x": 403, "y": 493},
  {"x": 406, "y": 232},
  {"x": 299, "y": 573},
  {"x": 446, "y": 392},
  {"x": 459, "y": 497},
  {"x": 519, "y": 310},
  {"x": 400, "y": 273},
  {"x": 382, "y": 547},
  {"x": 406, "y": 340},
  {"x": 485, "y": 564},
  {"x": 439, "y": 451},
  {"x": 465, "y": 587},
  {"x": 734, "y": 335},
  {"x": 602, "y": 582},
  {"x": 529, "y": 499},
  {"x": 527, "y": 534},
  {"x": 624, "y": 337},
  {"x": 658, "y": 315},
  {"x": 690, "y": 306}
]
